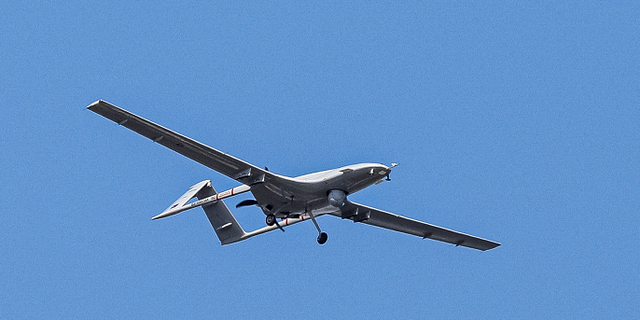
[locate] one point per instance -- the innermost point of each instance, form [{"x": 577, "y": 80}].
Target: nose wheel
[{"x": 322, "y": 238}]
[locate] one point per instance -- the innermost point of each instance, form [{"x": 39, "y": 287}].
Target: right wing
[
  {"x": 387, "y": 220},
  {"x": 234, "y": 168}
]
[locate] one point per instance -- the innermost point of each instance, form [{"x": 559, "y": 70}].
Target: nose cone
[
  {"x": 381, "y": 170},
  {"x": 374, "y": 169}
]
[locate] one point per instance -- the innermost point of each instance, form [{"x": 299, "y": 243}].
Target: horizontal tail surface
[{"x": 179, "y": 205}]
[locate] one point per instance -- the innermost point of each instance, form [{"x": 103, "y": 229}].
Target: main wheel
[
  {"x": 271, "y": 220},
  {"x": 322, "y": 238}
]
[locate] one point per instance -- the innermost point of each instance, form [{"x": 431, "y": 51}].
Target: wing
[
  {"x": 234, "y": 168},
  {"x": 396, "y": 222}
]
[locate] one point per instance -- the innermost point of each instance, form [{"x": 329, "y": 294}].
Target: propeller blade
[
  {"x": 245, "y": 203},
  {"x": 279, "y": 227}
]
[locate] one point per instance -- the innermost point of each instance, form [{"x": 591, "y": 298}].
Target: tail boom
[{"x": 180, "y": 205}]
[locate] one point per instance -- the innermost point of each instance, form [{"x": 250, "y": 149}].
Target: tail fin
[{"x": 223, "y": 222}]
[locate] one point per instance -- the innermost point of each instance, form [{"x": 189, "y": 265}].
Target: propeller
[
  {"x": 279, "y": 227},
  {"x": 246, "y": 203}
]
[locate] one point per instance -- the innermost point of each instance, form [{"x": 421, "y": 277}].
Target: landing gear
[
  {"x": 322, "y": 238},
  {"x": 271, "y": 219}
]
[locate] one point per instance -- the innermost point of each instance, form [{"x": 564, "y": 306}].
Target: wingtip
[
  {"x": 162, "y": 215},
  {"x": 101, "y": 103},
  {"x": 95, "y": 104},
  {"x": 496, "y": 244}
]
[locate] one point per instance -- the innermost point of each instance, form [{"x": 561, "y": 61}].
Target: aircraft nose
[
  {"x": 381, "y": 169},
  {"x": 393, "y": 165},
  {"x": 386, "y": 171}
]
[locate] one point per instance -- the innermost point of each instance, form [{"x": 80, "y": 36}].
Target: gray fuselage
[{"x": 289, "y": 197}]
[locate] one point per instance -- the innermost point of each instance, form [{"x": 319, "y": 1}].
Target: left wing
[
  {"x": 234, "y": 168},
  {"x": 396, "y": 222}
]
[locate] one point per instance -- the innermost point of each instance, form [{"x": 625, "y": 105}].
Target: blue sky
[{"x": 513, "y": 122}]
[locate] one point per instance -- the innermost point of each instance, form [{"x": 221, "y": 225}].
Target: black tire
[
  {"x": 322, "y": 238},
  {"x": 271, "y": 220}
]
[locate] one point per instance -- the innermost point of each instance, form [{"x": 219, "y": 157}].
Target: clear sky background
[{"x": 513, "y": 122}]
